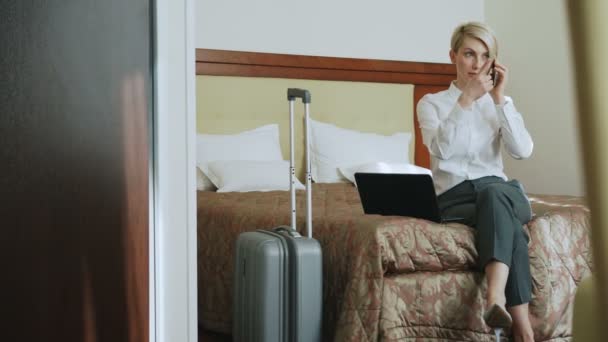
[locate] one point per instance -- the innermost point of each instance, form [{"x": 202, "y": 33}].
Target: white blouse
[{"x": 465, "y": 143}]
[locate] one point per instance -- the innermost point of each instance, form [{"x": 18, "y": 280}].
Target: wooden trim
[
  {"x": 426, "y": 77},
  {"x": 222, "y": 69},
  {"x": 308, "y": 62},
  {"x": 421, "y": 156}
]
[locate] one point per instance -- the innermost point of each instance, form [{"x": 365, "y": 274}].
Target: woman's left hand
[{"x": 498, "y": 92}]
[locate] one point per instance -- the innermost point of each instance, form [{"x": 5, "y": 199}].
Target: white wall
[
  {"x": 535, "y": 45},
  {"x": 173, "y": 308},
  {"x": 408, "y": 30}
]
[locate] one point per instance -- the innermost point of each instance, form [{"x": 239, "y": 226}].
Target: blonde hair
[{"x": 476, "y": 30}]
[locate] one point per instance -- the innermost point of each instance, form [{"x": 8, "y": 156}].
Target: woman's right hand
[{"x": 477, "y": 86}]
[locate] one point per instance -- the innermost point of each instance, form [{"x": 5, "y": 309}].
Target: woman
[{"x": 463, "y": 128}]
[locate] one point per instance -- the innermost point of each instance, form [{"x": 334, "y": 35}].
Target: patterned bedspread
[{"x": 395, "y": 278}]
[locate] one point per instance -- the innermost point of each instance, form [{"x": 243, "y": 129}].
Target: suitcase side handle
[
  {"x": 290, "y": 232},
  {"x": 295, "y": 93}
]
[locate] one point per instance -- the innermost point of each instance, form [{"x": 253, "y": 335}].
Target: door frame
[{"x": 173, "y": 271}]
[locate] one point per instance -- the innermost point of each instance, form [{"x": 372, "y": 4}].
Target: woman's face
[{"x": 469, "y": 58}]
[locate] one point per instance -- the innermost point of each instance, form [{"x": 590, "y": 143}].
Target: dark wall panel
[{"x": 75, "y": 118}]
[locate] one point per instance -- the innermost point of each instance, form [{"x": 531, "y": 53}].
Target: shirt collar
[{"x": 453, "y": 90}]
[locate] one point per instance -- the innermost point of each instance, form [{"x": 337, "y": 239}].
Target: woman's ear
[{"x": 453, "y": 56}]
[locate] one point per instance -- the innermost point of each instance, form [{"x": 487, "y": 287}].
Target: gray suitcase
[{"x": 278, "y": 282}]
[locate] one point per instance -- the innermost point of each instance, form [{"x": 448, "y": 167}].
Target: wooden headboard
[{"x": 425, "y": 77}]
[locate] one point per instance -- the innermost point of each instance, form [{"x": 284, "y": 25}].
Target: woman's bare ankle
[
  {"x": 522, "y": 326},
  {"x": 523, "y": 335},
  {"x": 522, "y": 330},
  {"x": 496, "y": 299}
]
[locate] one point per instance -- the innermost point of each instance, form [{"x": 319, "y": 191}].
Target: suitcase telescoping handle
[{"x": 292, "y": 95}]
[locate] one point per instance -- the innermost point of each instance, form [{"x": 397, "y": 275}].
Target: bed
[{"x": 385, "y": 278}]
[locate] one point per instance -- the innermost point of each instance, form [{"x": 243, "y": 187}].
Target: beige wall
[{"x": 535, "y": 45}]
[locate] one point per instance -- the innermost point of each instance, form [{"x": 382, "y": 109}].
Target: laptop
[{"x": 400, "y": 194}]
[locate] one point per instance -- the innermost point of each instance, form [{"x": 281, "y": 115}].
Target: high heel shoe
[{"x": 497, "y": 318}]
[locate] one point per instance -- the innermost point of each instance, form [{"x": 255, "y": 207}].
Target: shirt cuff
[
  {"x": 505, "y": 110},
  {"x": 507, "y": 103}
]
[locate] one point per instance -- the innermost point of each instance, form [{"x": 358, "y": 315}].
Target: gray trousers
[{"x": 497, "y": 210}]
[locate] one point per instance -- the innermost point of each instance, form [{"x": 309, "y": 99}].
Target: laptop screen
[{"x": 398, "y": 194}]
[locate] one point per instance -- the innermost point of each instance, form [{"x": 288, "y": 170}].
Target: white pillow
[
  {"x": 333, "y": 147},
  {"x": 251, "y": 175},
  {"x": 261, "y": 143},
  {"x": 381, "y": 167}
]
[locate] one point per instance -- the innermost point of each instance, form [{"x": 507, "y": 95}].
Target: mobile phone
[{"x": 493, "y": 74}]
